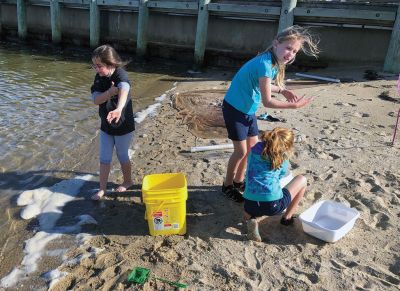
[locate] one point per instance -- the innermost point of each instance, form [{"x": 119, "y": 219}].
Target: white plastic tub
[{"x": 328, "y": 220}]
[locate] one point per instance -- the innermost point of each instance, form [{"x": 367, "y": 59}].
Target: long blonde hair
[
  {"x": 309, "y": 45},
  {"x": 278, "y": 145}
]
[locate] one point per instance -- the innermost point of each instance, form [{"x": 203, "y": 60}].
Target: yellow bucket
[{"x": 165, "y": 198}]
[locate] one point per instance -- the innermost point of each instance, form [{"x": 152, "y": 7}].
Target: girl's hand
[
  {"x": 290, "y": 96},
  {"x": 113, "y": 90},
  {"x": 114, "y": 115},
  {"x": 303, "y": 102}
]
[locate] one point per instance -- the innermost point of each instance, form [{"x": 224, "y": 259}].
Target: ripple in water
[{"x": 46, "y": 107}]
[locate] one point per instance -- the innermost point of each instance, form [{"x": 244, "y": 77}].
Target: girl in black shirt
[{"x": 111, "y": 91}]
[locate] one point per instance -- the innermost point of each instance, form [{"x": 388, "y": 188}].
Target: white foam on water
[
  {"x": 53, "y": 276},
  {"x": 56, "y": 253},
  {"x": 140, "y": 116},
  {"x": 161, "y": 98},
  {"x": 131, "y": 153},
  {"x": 150, "y": 110},
  {"x": 46, "y": 203}
]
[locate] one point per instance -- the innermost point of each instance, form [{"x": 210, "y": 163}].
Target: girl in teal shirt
[
  {"x": 267, "y": 164},
  {"x": 251, "y": 86}
]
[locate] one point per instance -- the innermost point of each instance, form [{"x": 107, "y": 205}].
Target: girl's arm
[
  {"x": 100, "y": 98},
  {"x": 266, "y": 87},
  {"x": 122, "y": 98},
  {"x": 289, "y": 95}
]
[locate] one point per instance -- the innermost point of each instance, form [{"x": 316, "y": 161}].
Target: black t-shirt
[{"x": 126, "y": 123}]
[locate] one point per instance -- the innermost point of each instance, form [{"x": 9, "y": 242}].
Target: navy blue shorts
[
  {"x": 270, "y": 208},
  {"x": 238, "y": 124}
]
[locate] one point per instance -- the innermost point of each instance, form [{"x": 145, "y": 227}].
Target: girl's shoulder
[
  {"x": 265, "y": 57},
  {"x": 120, "y": 75}
]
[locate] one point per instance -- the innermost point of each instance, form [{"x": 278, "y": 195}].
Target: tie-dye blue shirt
[{"x": 263, "y": 183}]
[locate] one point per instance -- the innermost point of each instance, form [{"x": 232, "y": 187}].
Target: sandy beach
[{"x": 342, "y": 147}]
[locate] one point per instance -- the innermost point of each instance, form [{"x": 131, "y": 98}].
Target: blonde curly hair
[{"x": 278, "y": 145}]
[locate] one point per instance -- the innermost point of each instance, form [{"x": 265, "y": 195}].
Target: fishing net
[{"x": 202, "y": 112}]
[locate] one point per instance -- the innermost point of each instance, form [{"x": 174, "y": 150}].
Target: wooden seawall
[{"x": 356, "y": 30}]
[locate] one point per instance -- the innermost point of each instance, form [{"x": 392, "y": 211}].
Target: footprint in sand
[
  {"x": 356, "y": 114},
  {"x": 375, "y": 206},
  {"x": 382, "y": 276},
  {"x": 344, "y": 104},
  {"x": 251, "y": 259},
  {"x": 315, "y": 196},
  {"x": 294, "y": 165},
  {"x": 328, "y": 174},
  {"x": 242, "y": 275},
  {"x": 328, "y": 130}
]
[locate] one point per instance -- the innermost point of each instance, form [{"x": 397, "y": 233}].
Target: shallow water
[
  {"x": 46, "y": 107},
  {"x": 48, "y": 122}
]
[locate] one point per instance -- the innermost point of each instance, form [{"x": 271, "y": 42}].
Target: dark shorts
[
  {"x": 238, "y": 124},
  {"x": 270, "y": 208}
]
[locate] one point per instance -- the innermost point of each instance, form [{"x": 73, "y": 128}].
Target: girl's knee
[
  {"x": 302, "y": 180},
  {"x": 123, "y": 159},
  {"x": 240, "y": 153},
  {"x": 105, "y": 161}
]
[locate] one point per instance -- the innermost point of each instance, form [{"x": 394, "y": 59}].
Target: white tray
[{"x": 328, "y": 220}]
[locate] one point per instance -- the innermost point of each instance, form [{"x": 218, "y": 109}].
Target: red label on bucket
[{"x": 157, "y": 214}]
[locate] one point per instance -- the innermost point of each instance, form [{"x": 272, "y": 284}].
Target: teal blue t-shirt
[
  {"x": 244, "y": 92},
  {"x": 263, "y": 183}
]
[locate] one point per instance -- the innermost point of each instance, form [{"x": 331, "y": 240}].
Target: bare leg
[
  {"x": 241, "y": 169},
  {"x": 127, "y": 176},
  {"x": 239, "y": 152},
  {"x": 296, "y": 187},
  {"x": 104, "y": 172}
]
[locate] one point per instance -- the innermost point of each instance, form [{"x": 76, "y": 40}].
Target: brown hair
[
  {"x": 107, "y": 55},
  {"x": 308, "y": 46},
  {"x": 278, "y": 145}
]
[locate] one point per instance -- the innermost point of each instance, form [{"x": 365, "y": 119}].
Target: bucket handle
[{"x": 161, "y": 205}]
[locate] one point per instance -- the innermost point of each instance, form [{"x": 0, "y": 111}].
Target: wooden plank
[
  {"x": 286, "y": 17},
  {"x": 21, "y": 19},
  {"x": 379, "y": 2},
  {"x": 201, "y": 33},
  {"x": 55, "y": 21},
  {"x": 143, "y": 19},
  {"x": 94, "y": 24},
  {"x": 1, "y": 26},
  {"x": 255, "y": 10},
  {"x": 345, "y": 13},
  {"x": 392, "y": 60},
  {"x": 78, "y": 2},
  {"x": 119, "y": 3},
  {"x": 173, "y": 5}
]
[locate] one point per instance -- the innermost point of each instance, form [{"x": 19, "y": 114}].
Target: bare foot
[
  {"x": 98, "y": 195},
  {"x": 123, "y": 187}
]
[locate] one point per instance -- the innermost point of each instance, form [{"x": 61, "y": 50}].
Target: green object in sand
[{"x": 141, "y": 275}]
